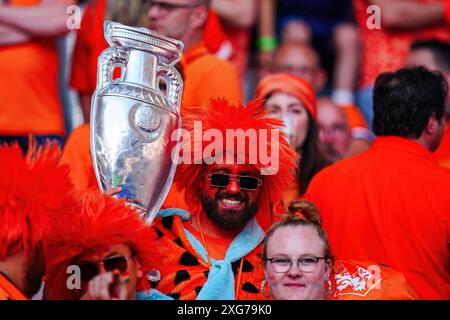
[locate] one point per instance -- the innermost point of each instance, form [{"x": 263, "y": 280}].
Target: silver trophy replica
[{"x": 133, "y": 121}]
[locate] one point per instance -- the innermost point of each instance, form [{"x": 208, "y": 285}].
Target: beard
[
  {"x": 35, "y": 270},
  {"x": 229, "y": 219}
]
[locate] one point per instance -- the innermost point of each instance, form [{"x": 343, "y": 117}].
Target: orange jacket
[
  {"x": 29, "y": 100},
  {"x": 206, "y": 77},
  {"x": 390, "y": 205}
]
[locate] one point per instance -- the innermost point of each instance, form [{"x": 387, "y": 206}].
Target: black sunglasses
[
  {"x": 222, "y": 180},
  {"x": 91, "y": 269}
]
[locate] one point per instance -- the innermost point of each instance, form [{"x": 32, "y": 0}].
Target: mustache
[{"x": 226, "y": 195}]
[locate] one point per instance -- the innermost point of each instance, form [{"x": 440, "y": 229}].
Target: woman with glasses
[
  {"x": 298, "y": 264},
  {"x": 296, "y": 256}
]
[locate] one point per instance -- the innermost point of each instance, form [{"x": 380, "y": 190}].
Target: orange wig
[
  {"x": 222, "y": 117},
  {"x": 96, "y": 222},
  {"x": 32, "y": 188}
]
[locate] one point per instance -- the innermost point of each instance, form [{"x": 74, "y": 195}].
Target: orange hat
[
  {"x": 289, "y": 84},
  {"x": 31, "y": 190},
  {"x": 95, "y": 222},
  {"x": 222, "y": 117}
]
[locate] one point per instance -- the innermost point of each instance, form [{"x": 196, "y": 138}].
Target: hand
[
  {"x": 106, "y": 286},
  {"x": 114, "y": 191}
]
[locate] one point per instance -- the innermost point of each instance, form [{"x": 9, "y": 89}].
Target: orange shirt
[
  {"x": 29, "y": 101},
  {"x": 217, "y": 248},
  {"x": 227, "y": 42},
  {"x": 8, "y": 291},
  {"x": 390, "y": 205},
  {"x": 206, "y": 77},
  {"x": 89, "y": 44},
  {"x": 386, "y": 50},
  {"x": 78, "y": 157},
  {"x": 442, "y": 154}
]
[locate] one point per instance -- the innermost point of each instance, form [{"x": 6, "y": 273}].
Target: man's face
[
  {"x": 334, "y": 132},
  {"x": 171, "y": 18},
  {"x": 422, "y": 57},
  {"x": 110, "y": 256},
  {"x": 425, "y": 58},
  {"x": 231, "y": 205},
  {"x": 300, "y": 61}
]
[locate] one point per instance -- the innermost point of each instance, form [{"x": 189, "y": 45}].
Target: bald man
[
  {"x": 303, "y": 61},
  {"x": 335, "y": 135}
]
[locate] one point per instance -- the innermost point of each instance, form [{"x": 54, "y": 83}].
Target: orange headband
[{"x": 289, "y": 84}]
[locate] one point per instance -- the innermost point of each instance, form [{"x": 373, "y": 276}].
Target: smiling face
[
  {"x": 229, "y": 207},
  {"x": 293, "y": 242},
  {"x": 290, "y": 109}
]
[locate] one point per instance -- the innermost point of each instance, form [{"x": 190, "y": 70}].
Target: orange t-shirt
[
  {"x": 8, "y": 291},
  {"x": 78, "y": 157},
  {"x": 390, "y": 205},
  {"x": 386, "y": 50},
  {"x": 217, "y": 248},
  {"x": 29, "y": 101},
  {"x": 207, "y": 77},
  {"x": 442, "y": 154}
]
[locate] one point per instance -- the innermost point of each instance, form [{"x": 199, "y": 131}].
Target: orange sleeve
[
  {"x": 77, "y": 156},
  {"x": 226, "y": 85},
  {"x": 354, "y": 116},
  {"x": 79, "y": 78}
]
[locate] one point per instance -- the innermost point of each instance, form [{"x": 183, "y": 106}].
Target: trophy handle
[
  {"x": 108, "y": 60},
  {"x": 174, "y": 84}
]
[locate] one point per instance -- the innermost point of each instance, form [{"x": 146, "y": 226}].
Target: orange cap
[{"x": 289, "y": 84}]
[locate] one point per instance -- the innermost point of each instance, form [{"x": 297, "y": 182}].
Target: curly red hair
[
  {"x": 223, "y": 116},
  {"x": 32, "y": 188},
  {"x": 97, "y": 221}
]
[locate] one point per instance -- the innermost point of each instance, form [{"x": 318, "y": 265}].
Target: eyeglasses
[
  {"x": 91, "y": 269},
  {"x": 166, "y": 7},
  {"x": 222, "y": 180},
  {"x": 305, "y": 264}
]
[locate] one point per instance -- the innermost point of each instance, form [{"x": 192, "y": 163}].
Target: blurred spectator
[
  {"x": 205, "y": 76},
  {"x": 325, "y": 24},
  {"x": 292, "y": 100},
  {"x": 29, "y": 100},
  {"x": 435, "y": 56},
  {"x": 391, "y": 204},
  {"x": 227, "y": 32},
  {"x": 303, "y": 61},
  {"x": 385, "y": 49},
  {"x": 334, "y": 131}
]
